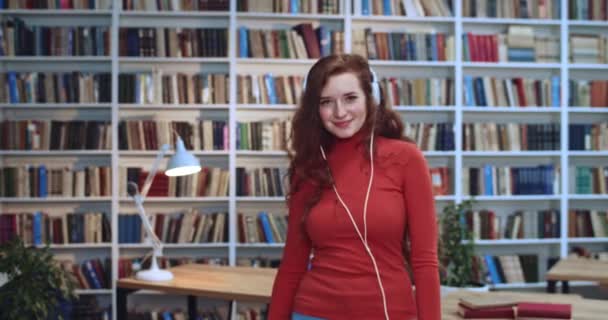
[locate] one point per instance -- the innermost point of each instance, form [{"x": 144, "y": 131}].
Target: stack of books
[{"x": 489, "y": 307}]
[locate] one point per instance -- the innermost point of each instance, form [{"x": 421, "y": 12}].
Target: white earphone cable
[{"x": 361, "y": 237}]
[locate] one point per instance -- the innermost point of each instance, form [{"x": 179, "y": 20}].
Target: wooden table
[
  {"x": 197, "y": 280},
  {"x": 582, "y": 309},
  {"x": 573, "y": 268}
]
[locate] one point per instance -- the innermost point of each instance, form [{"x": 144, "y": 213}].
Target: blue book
[
  {"x": 91, "y": 275},
  {"x": 487, "y": 170},
  {"x": 466, "y": 55},
  {"x": 294, "y": 6},
  {"x": 469, "y": 95},
  {"x": 494, "y": 275},
  {"x": 555, "y": 91},
  {"x": 480, "y": 97},
  {"x": 12, "y": 87},
  {"x": 386, "y": 7},
  {"x": 37, "y": 228},
  {"x": 365, "y": 7},
  {"x": 243, "y": 42},
  {"x": 272, "y": 96},
  {"x": 121, "y": 228},
  {"x": 434, "y": 55},
  {"x": 266, "y": 227},
  {"x": 324, "y": 36},
  {"x": 167, "y": 315},
  {"x": 42, "y": 181}
]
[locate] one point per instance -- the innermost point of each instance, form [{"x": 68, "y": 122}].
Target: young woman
[{"x": 360, "y": 196}]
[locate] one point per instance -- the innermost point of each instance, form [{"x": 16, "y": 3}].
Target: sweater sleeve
[
  {"x": 422, "y": 230},
  {"x": 293, "y": 264}
]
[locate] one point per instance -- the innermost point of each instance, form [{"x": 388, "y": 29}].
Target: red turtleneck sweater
[{"x": 341, "y": 283}]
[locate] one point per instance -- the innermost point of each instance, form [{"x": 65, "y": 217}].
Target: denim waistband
[{"x": 298, "y": 316}]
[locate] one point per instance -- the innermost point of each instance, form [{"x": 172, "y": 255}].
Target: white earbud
[{"x": 363, "y": 237}]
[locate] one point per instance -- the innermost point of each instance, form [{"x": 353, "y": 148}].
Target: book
[
  {"x": 481, "y": 300},
  {"x": 501, "y": 312},
  {"x": 530, "y": 310}
]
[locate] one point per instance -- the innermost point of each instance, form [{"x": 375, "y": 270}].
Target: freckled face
[{"x": 342, "y": 106}]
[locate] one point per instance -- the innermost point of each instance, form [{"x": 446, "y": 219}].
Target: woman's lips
[{"x": 342, "y": 124}]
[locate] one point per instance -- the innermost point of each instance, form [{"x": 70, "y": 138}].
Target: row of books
[
  {"x": 47, "y": 87},
  {"x": 591, "y": 180},
  {"x": 173, "y": 42},
  {"x": 209, "y": 182},
  {"x": 292, "y": 6},
  {"x": 418, "y": 92},
  {"x": 268, "y": 88},
  {"x": 431, "y": 136},
  {"x": 588, "y": 137},
  {"x": 176, "y": 5},
  {"x": 258, "y": 262},
  {"x": 587, "y": 223},
  {"x": 511, "y": 92},
  {"x": 588, "y": 48},
  {"x": 20, "y": 39},
  {"x": 263, "y": 135},
  {"x": 42, "y": 181},
  {"x": 588, "y": 93},
  {"x": 127, "y": 265},
  {"x": 86, "y": 307},
  {"x": 588, "y": 10},
  {"x": 380, "y": 45},
  {"x": 261, "y": 182},
  {"x": 89, "y": 274},
  {"x": 189, "y": 226},
  {"x": 509, "y": 268},
  {"x": 522, "y": 224},
  {"x": 177, "y": 314},
  {"x": 491, "y": 180},
  {"x": 177, "y": 88},
  {"x": 520, "y": 44},
  {"x": 521, "y": 9},
  {"x": 409, "y": 8},
  {"x": 151, "y": 135},
  {"x": 56, "y": 4},
  {"x": 38, "y": 228},
  {"x": 55, "y": 135},
  {"x": 302, "y": 41},
  {"x": 441, "y": 180},
  {"x": 265, "y": 227},
  {"x": 490, "y": 136}
]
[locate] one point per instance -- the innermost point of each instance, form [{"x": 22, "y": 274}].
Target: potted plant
[
  {"x": 37, "y": 287},
  {"x": 457, "y": 249}
]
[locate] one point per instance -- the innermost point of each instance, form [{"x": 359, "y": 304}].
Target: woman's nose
[{"x": 339, "y": 109}]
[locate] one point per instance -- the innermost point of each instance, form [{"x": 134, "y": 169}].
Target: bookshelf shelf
[
  {"x": 588, "y": 196},
  {"x": 588, "y": 154},
  {"x": 93, "y": 291},
  {"x": 511, "y": 110},
  {"x": 259, "y": 245},
  {"x": 541, "y": 197},
  {"x": 439, "y": 153},
  {"x": 425, "y": 108},
  {"x": 530, "y": 22},
  {"x": 379, "y": 18},
  {"x": 254, "y": 153},
  {"x": 516, "y": 242},
  {"x": 170, "y": 60},
  {"x": 306, "y": 62},
  {"x": 147, "y": 107},
  {"x": 56, "y": 200},
  {"x": 588, "y": 240},
  {"x": 178, "y": 199},
  {"x": 76, "y": 13},
  {"x": 267, "y": 107},
  {"x": 590, "y": 23},
  {"x": 587, "y": 110},
  {"x": 445, "y": 198},
  {"x": 287, "y": 16},
  {"x": 154, "y": 153},
  {"x": 511, "y": 65},
  {"x": 47, "y": 59},
  {"x": 173, "y": 245},
  {"x": 587, "y": 66},
  {"x": 395, "y": 63},
  {"x": 72, "y": 246},
  {"x": 511, "y": 153},
  {"x": 29, "y": 106},
  {"x": 54, "y": 153},
  {"x": 125, "y": 14},
  {"x": 260, "y": 199},
  {"x": 531, "y": 285}
]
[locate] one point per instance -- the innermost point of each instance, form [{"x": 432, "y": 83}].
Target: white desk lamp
[{"x": 181, "y": 163}]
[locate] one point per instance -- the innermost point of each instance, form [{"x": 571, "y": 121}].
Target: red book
[
  {"x": 502, "y": 312},
  {"x": 529, "y": 310}
]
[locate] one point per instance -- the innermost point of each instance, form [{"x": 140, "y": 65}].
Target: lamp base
[{"x": 154, "y": 275}]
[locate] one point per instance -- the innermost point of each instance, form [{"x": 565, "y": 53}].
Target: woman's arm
[
  {"x": 422, "y": 230},
  {"x": 293, "y": 264}
]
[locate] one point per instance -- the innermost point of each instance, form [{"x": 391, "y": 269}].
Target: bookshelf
[{"x": 232, "y": 65}]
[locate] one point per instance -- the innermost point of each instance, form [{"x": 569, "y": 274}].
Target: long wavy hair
[{"x": 308, "y": 132}]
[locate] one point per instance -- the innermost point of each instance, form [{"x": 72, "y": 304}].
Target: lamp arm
[
  {"x": 146, "y": 187},
  {"x": 156, "y": 243}
]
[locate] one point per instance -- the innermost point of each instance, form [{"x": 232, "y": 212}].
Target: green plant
[
  {"x": 456, "y": 246},
  {"x": 36, "y": 285}
]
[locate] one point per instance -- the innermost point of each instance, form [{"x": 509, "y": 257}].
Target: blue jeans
[{"x": 298, "y": 316}]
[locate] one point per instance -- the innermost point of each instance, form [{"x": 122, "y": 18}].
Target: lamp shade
[{"x": 182, "y": 162}]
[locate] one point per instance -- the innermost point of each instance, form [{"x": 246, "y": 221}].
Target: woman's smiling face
[{"x": 342, "y": 106}]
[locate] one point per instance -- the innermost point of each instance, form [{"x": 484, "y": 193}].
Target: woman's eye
[
  {"x": 324, "y": 103},
  {"x": 351, "y": 98}
]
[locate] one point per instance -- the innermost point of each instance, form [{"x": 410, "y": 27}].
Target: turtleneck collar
[{"x": 351, "y": 142}]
